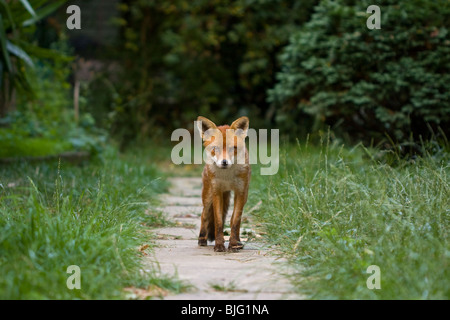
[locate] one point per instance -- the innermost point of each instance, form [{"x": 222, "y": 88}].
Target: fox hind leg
[
  {"x": 211, "y": 225},
  {"x": 226, "y": 204}
]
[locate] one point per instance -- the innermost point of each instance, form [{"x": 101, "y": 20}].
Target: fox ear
[
  {"x": 203, "y": 125},
  {"x": 241, "y": 124}
]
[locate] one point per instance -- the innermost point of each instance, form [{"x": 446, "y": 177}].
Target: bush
[
  {"x": 36, "y": 117},
  {"x": 204, "y": 57},
  {"x": 368, "y": 82},
  {"x": 18, "y": 49},
  {"x": 45, "y": 125}
]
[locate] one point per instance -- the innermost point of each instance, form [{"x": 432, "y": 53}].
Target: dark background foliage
[{"x": 368, "y": 82}]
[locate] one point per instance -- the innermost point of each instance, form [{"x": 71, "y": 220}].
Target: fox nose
[{"x": 224, "y": 163}]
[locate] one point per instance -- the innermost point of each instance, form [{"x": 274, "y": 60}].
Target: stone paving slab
[{"x": 170, "y": 200}]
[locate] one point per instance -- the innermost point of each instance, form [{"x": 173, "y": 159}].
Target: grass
[
  {"x": 33, "y": 147},
  {"x": 226, "y": 287},
  {"x": 53, "y": 215},
  {"x": 335, "y": 211}
]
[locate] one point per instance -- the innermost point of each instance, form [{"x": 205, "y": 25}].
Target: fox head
[{"x": 224, "y": 145}]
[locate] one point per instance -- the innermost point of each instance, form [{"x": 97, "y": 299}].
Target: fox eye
[{"x": 214, "y": 150}]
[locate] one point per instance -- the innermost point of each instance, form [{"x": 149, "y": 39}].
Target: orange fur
[{"x": 219, "y": 178}]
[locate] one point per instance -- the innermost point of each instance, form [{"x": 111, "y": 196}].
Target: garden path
[{"x": 253, "y": 273}]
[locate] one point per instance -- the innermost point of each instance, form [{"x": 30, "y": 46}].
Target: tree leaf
[
  {"x": 3, "y": 48},
  {"x": 43, "y": 53},
  {"x": 1, "y": 74},
  {"x": 8, "y": 13},
  {"x": 18, "y": 52},
  {"x": 42, "y": 13},
  {"x": 28, "y": 6}
]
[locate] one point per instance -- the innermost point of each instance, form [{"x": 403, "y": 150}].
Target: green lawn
[
  {"x": 54, "y": 215},
  {"x": 334, "y": 211}
]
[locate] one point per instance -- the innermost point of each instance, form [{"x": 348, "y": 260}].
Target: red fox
[{"x": 227, "y": 169}]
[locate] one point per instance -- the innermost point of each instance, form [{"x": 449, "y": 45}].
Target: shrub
[
  {"x": 368, "y": 82},
  {"x": 205, "y": 57}
]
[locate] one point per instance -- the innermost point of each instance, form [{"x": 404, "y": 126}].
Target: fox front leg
[
  {"x": 218, "y": 222},
  {"x": 205, "y": 220}
]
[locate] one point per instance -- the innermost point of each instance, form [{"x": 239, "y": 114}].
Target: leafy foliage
[
  {"x": 185, "y": 58},
  {"x": 36, "y": 99},
  {"x": 368, "y": 82},
  {"x": 17, "y": 19},
  {"x": 45, "y": 124}
]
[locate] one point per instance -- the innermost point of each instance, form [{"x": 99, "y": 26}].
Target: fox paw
[
  {"x": 202, "y": 242},
  {"x": 219, "y": 248},
  {"x": 235, "y": 247}
]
